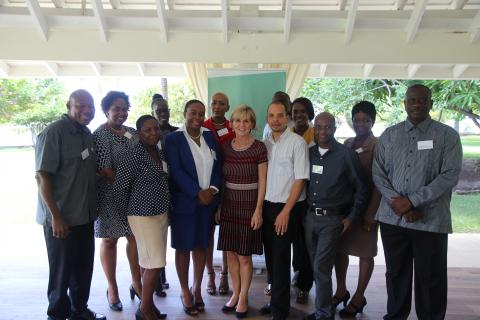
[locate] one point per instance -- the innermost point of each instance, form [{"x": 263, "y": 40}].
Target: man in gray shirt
[
  {"x": 416, "y": 164},
  {"x": 337, "y": 195},
  {"x": 65, "y": 165}
]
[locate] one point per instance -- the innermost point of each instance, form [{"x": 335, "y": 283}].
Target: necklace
[{"x": 195, "y": 137}]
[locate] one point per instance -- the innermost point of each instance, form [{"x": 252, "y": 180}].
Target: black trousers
[
  {"x": 300, "y": 257},
  {"x": 278, "y": 255},
  {"x": 71, "y": 266},
  {"x": 423, "y": 254}
]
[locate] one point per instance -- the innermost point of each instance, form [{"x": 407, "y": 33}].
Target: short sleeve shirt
[
  {"x": 287, "y": 161},
  {"x": 66, "y": 152}
]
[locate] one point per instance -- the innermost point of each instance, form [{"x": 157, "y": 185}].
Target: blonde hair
[{"x": 243, "y": 111}]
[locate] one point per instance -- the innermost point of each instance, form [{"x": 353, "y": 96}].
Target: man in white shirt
[{"x": 288, "y": 168}]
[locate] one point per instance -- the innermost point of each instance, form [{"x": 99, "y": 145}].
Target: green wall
[{"x": 252, "y": 88}]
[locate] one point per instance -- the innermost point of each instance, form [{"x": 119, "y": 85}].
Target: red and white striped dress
[{"x": 239, "y": 199}]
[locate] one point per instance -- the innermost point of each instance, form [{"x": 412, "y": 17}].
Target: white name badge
[
  {"x": 85, "y": 154},
  {"x": 317, "y": 169},
  {"x": 222, "y": 132},
  {"x": 165, "y": 166},
  {"x": 214, "y": 155},
  {"x": 159, "y": 145},
  {"x": 128, "y": 135},
  {"x": 425, "y": 145},
  {"x": 359, "y": 150}
]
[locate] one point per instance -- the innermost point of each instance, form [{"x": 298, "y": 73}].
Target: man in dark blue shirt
[{"x": 336, "y": 195}]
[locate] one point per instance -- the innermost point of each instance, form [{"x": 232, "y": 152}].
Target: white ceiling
[{"x": 339, "y": 38}]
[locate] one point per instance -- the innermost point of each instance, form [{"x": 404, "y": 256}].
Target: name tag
[
  {"x": 165, "y": 166},
  {"x": 222, "y": 132},
  {"x": 317, "y": 169},
  {"x": 425, "y": 145},
  {"x": 85, "y": 154},
  {"x": 214, "y": 155},
  {"x": 128, "y": 135},
  {"x": 359, "y": 150},
  {"x": 159, "y": 145}
]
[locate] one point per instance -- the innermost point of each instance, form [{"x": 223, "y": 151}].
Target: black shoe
[
  {"x": 134, "y": 294},
  {"x": 88, "y": 315},
  {"x": 337, "y": 300},
  {"x": 312, "y": 316},
  {"x": 117, "y": 306},
  {"x": 265, "y": 309},
  {"x": 158, "y": 313},
  {"x": 226, "y": 308},
  {"x": 353, "y": 309},
  {"x": 241, "y": 315},
  {"x": 160, "y": 293}
]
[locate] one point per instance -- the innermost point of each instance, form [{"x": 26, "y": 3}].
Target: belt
[{"x": 326, "y": 211}]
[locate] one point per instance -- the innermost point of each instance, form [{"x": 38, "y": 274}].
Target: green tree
[
  {"x": 31, "y": 102},
  {"x": 452, "y": 99},
  {"x": 178, "y": 94}
]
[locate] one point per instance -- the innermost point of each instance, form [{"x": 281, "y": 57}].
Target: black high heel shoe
[
  {"x": 134, "y": 294},
  {"x": 241, "y": 315},
  {"x": 337, "y": 300},
  {"x": 344, "y": 313},
  {"x": 117, "y": 306},
  {"x": 226, "y": 308}
]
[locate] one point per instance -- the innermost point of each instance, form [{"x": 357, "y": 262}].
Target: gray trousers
[{"x": 321, "y": 236}]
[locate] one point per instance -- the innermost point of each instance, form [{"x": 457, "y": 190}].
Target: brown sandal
[
  {"x": 223, "y": 286},
  {"x": 211, "y": 287}
]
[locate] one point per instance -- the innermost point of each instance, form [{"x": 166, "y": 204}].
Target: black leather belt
[{"x": 326, "y": 211}]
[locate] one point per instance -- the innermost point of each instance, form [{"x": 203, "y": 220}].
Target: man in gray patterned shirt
[{"x": 417, "y": 163}]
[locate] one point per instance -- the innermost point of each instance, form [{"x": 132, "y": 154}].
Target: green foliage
[
  {"x": 178, "y": 94},
  {"x": 452, "y": 99},
  {"x": 31, "y": 102}
]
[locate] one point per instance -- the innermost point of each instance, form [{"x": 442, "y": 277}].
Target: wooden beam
[
  {"x": 4, "y": 69},
  {"x": 458, "y": 4},
  {"x": 459, "y": 69},
  {"x": 475, "y": 28},
  {"x": 415, "y": 19},
  {"x": 412, "y": 70},
  {"x": 162, "y": 17},
  {"x": 58, "y": 3},
  {"x": 287, "y": 22},
  {"x": 115, "y": 4},
  {"x": 400, "y": 4},
  {"x": 52, "y": 68},
  {"x": 367, "y": 70},
  {"x": 40, "y": 21},
  {"x": 350, "y": 25},
  {"x": 99, "y": 13},
  {"x": 224, "y": 7}
]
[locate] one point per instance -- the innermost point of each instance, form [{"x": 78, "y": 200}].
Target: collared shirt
[
  {"x": 337, "y": 180},
  {"x": 287, "y": 161},
  {"x": 203, "y": 157},
  {"x": 66, "y": 152},
  {"x": 141, "y": 184},
  {"x": 420, "y": 162}
]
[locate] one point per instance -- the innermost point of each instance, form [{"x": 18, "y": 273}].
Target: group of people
[{"x": 298, "y": 187}]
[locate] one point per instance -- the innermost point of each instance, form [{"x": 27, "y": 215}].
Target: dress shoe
[
  {"x": 351, "y": 310},
  {"x": 117, "y": 306},
  {"x": 265, "y": 309},
  {"x": 88, "y": 315},
  {"x": 241, "y": 315},
  {"x": 160, "y": 292},
  {"x": 313, "y": 316},
  {"x": 336, "y": 300},
  {"x": 226, "y": 308},
  {"x": 134, "y": 294}
]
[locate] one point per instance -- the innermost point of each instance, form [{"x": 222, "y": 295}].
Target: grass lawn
[
  {"x": 471, "y": 146},
  {"x": 465, "y": 213}
]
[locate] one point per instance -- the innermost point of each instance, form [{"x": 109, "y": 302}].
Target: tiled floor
[{"x": 23, "y": 281}]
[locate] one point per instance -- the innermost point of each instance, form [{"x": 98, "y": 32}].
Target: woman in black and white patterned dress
[{"x": 113, "y": 141}]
